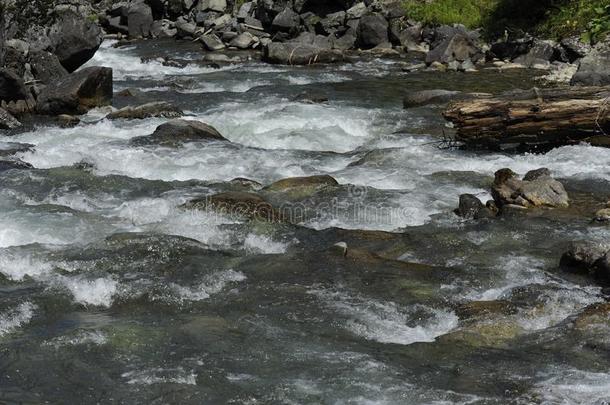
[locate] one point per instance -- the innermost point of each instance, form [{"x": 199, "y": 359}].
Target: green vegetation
[{"x": 548, "y": 18}]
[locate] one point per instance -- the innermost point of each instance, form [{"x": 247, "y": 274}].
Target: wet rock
[
  {"x": 594, "y": 68},
  {"x": 307, "y": 184},
  {"x": 296, "y": 54},
  {"x": 598, "y": 313},
  {"x": 582, "y": 256},
  {"x": 78, "y": 92},
  {"x": 6, "y": 165},
  {"x": 12, "y": 87},
  {"x": 139, "y": 20},
  {"x": 46, "y": 67},
  {"x": 458, "y": 47},
  {"x": 11, "y": 148},
  {"x": 537, "y": 189},
  {"x": 148, "y": 110},
  {"x": 68, "y": 121},
  {"x": 602, "y": 215},
  {"x": 75, "y": 40},
  {"x": 237, "y": 204},
  {"x": 179, "y": 131},
  {"x": 246, "y": 183},
  {"x": 7, "y": 121},
  {"x": 482, "y": 309},
  {"x": 372, "y": 31},
  {"x": 470, "y": 207},
  {"x": 311, "y": 97},
  {"x": 339, "y": 248}
]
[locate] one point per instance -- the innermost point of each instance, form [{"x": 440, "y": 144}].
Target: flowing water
[{"x": 110, "y": 292}]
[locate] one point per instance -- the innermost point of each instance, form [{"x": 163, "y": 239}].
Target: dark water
[{"x": 112, "y": 293}]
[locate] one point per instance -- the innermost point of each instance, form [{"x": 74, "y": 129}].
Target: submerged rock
[
  {"x": 299, "y": 187},
  {"x": 13, "y": 164},
  {"x": 178, "y": 131},
  {"x": 537, "y": 189},
  {"x": 237, "y": 204},
  {"x": 148, "y": 110},
  {"x": 77, "y": 93},
  {"x": 299, "y": 54}
]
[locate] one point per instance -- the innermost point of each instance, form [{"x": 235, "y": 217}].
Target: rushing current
[{"x": 111, "y": 292}]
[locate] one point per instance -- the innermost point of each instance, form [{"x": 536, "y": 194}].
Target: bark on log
[{"x": 557, "y": 116}]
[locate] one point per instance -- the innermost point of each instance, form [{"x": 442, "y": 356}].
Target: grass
[{"x": 547, "y": 18}]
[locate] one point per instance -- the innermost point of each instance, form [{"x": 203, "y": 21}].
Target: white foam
[
  {"x": 17, "y": 266},
  {"x": 11, "y": 320},
  {"x": 263, "y": 244},
  {"x": 567, "y": 386},
  {"x": 82, "y": 338},
  {"x": 386, "y": 322},
  {"x": 96, "y": 292},
  {"x": 161, "y": 376},
  {"x": 212, "y": 284}
]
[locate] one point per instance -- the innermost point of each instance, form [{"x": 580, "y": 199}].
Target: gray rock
[
  {"x": 22, "y": 47},
  {"x": 575, "y": 48},
  {"x": 213, "y": 5},
  {"x": 179, "y": 131},
  {"x": 330, "y": 24},
  {"x": 46, "y": 67},
  {"x": 357, "y": 11},
  {"x": 455, "y": 48},
  {"x": 541, "y": 54},
  {"x": 114, "y": 25},
  {"x": 582, "y": 256},
  {"x": 185, "y": 29},
  {"x": 211, "y": 42},
  {"x": 594, "y": 69},
  {"x": 300, "y": 54},
  {"x": 7, "y": 121},
  {"x": 372, "y": 31},
  {"x": 148, "y": 110},
  {"x": 537, "y": 189},
  {"x": 347, "y": 41},
  {"x": 245, "y": 11},
  {"x": 243, "y": 41},
  {"x": 78, "y": 92},
  {"x": 74, "y": 40},
  {"x": 286, "y": 21},
  {"x": 12, "y": 87},
  {"x": 427, "y": 97},
  {"x": 139, "y": 20},
  {"x": 13, "y": 165}
]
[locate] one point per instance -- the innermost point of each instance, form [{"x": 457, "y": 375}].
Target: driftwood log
[{"x": 559, "y": 116}]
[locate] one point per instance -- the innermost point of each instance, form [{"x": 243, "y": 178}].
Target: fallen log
[{"x": 558, "y": 116}]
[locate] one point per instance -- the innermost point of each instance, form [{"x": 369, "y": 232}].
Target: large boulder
[
  {"x": 78, "y": 92},
  {"x": 12, "y": 87},
  {"x": 458, "y": 47},
  {"x": 537, "y": 189},
  {"x": 74, "y": 40},
  {"x": 286, "y": 21},
  {"x": 149, "y": 110},
  {"x": 300, "y": 54},
  {"x": 594, "y": 69},
  {"x": 139, "y": 20},
  {"x": 179, "y": 131},
  {"x": 540, "y": 55},
  {"x": 470, "y": 207},
  {"x": 46, "y": 67},
  {"x": 372, "y": 31},
  {"x": 588, "y": 258}
]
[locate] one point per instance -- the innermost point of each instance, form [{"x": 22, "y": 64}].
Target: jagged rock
[
  {"x": 148, "y": 110},
  {"x": 46, "y": 67},
  {"x": 470, "y": 207},
  {"x": 297, "y": 54},
  {"x": 74, "y": 40},
  {"x": 139, "y": 20},
  {"x": 179, "y": 131},
  {"x": 286, "y": 21},
  {"x": 243, "y": 41},
  {"x": 185, "y": 29},
  {"x": 357, "y": 11},
  {"x": 245, "y": 11},
  {"x": 575, "y": 48},
  {"x": 12, "y": 87},
  {"x": 237, "y": 204},
  {"x": 331, "y": 24},
  {"x": 511, "y": 49},
  {"x": 372, "y": 31},
  {"x": 78, "y": 92},
  {"x": 537, "y": 189},
  {"x": 7, "y": 121},
  {"x": 458, "y": 47},
  {"x": 212, "y": 43},
  {"x": 594, "y": 69}
]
